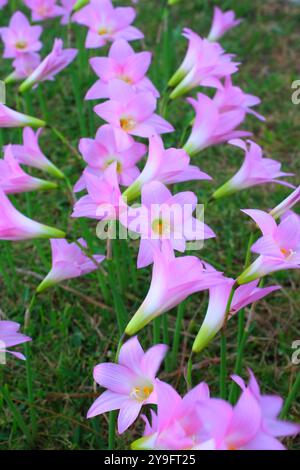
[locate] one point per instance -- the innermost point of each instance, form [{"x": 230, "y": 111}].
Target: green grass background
[{"x": 74, "y": 330}]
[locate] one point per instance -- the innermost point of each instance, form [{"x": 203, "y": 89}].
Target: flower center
[
  {"x": 141, "y": 394},
  {"x": 127, "y": 124},
  {"x": 125, "y": 79},
  {"x": 287, "y": 253},
  {"x": 160, "y": 226},
  {"x": 21, "y": 45},
  {"x": 103, "y": 30},
  {"x": 113, "y": 160}
]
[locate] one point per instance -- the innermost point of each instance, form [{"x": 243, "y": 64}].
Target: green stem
[
  {"x": 291, "y": 397},
  {"x": 223, "y": 364},
  {"x": 65, "y": 141},
  {"x": 176, "y": 340},
  {"x": 189, "y": 371}
]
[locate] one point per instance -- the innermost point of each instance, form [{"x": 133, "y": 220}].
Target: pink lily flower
[
  {"x": 213, "y": 124},
  {"x": 107, "y": 23},
  {"x": 176, "y": 424},
  {"x": 68, "y": 6},
  {"x": 270, "y": 426},
  {"x": 130, "y": 384},
  {"x": 279, "y": 247},
  {"x": 163, "y": 216},
  {"x": 131, "y": 113},
  {"x": 68, "y": 262},
  {"x": 16, "y": 226},
  {"x": 11, "y": 118},
  {"x": 51, "y": 65},
  {"x": 222, "y": 22},
  {"x": 19, "y": 37},
  {"x": 10, "y": 336},
  {"x": 124, "y": 64},
  {"x": 216, "y": 312},
  {"x": 3, "y": 3},
  {"x": 254, "y": 171},
  {"x": 30, "y": 154},
  {"x": 173, "y": 280},
  {"x": 167, "y": 166},
  {"x": 286, "y": 205},
  {"x": 102, "y": 151},
  {"x": 210, "y": 65},
  {"x": 103, "y": 201},
  {"x": 23, "y": 65},
  {"x": 14, "y": 180},
  {"x": 44, "y": 9}
]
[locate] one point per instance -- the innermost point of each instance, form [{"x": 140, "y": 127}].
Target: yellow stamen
[
  {"x": 21, "y": 45},
  {"x": 141, "y": 393},
  {"x": 127, "y": 124}
]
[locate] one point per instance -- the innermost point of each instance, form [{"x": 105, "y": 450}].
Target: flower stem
[
  {"x": 176, "y": 340},
  {"x": 223, "y": 364},
  {"x": 291, "y": 397},
  {"x": 65, "y": 141}
]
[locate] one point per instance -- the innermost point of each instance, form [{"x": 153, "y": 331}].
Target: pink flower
[
  {"x": 68, "y": 262},
  {"x": 167, "y": 166},
  {"x": 10, "y": 336},
  {"x": 124, "y": 64},
  {"x": 11, "y": 118},
  {"x": 130, "y": 384},
  {"x": 270, "y": 426},
  {"x": 164, "y": 217},
  {"x": 213, "y": 124},
  {"x": 131, "y": 113},
  {"x": 173, "y": 280},
  {"x": 287, "y": 204},
  {"x": 57, "y": 60},
  {"x": 16, "y": 226},
  {"x": 31, "y": 155},
  {"x": 24, "y": 65},
  {"x": 102, "y": 151},
  {"x": 107, "y": 23},
  {"x": 103, "y": 201},
  {"x": 14, "y": 180},
  {"x": 43, "y": 9},
  {"x": 176, "y": 423},
  {"x": 3, "y": 3},
  {"x": 279, "y": 247},
  {"x": 68, "y": 6},
  {"x": 20, "y": 37},
  {"x": 222, "y": 22},
  {"x": 216, "y": 312},
  {"x": 205, "y": 66},
  {"x": 254, "y": 171}
]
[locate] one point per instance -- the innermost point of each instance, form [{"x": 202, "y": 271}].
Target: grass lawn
[{"x": 74, "y": 326}]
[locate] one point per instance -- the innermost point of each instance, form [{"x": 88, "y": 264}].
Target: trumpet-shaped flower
[
  {"x": 254, "y": 171},
  {"x": 102, "y": 151},
  {"x": 30, "y": 154},
  {"x": 24, "y": 65},
  {"x": 279, "y": 247},
  {"x": 210, "y": 65},
  {"x": 222, "y": 22},
  {"x": 131, "y": 113},
  {"x": 213, "y": 124},
  {"x": 16, "y": 226},
  {"x": 103, "y": 201},
  {"x": 19, "y": 37},
  {"x": 286, "y": 205},
  {"x": 167, "y": 166},
  {"x": 51, "y": 65},
  {"x": 165, "y": 217},
  {"x": 68, "y": 262},
  {"x": 130, "y": 384},
  {"x": 124, "y": 64},
  {"x": 107, "y": 23},
  {"x": 11, "y": 118},
  {"x": 44, "y": 9},
  {"x": 10, "y": 336},
  {"x": 176, "y": 424},
  {"x": 14, "y": 180},
  {"x": 173, "y": 280},
  {"x": 216, "y": 312}
]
